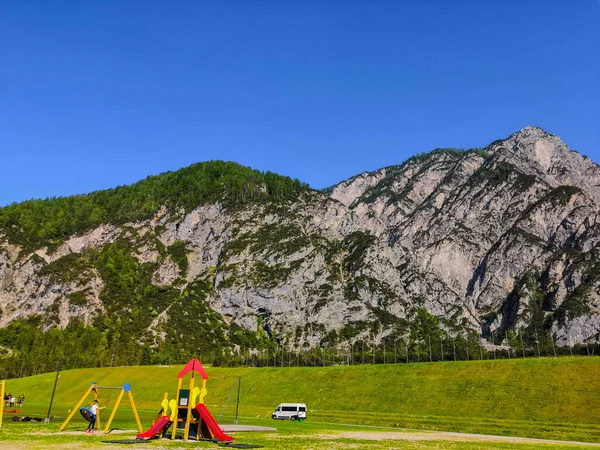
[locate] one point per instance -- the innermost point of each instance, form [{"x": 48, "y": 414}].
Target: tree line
[{"x": 37, "y": 223}]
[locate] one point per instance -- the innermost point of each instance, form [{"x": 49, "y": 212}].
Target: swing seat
[{"x": 87, "y": 414}]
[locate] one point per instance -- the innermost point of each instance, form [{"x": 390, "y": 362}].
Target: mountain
[{"x": 216, "y": 259}]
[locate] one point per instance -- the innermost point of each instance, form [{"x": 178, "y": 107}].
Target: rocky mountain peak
[
  {"x": 536, "y": 152},
  {"x": 532, "y": 131}
]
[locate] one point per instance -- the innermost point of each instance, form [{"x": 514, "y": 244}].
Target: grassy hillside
[{"x": 552, "y": 398}]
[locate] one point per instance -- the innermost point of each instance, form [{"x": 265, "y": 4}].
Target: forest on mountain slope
[{"x": 36, "y": 223}]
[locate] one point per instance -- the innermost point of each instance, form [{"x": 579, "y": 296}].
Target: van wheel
[{"x": 293, "y": 418}]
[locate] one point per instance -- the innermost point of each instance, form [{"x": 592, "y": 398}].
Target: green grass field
[{"x": 546, "y": 398}]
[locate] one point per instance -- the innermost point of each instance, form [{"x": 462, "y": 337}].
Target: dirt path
[
  {"x": 447, "y": 436},
  {"x": 372, "y": 435}
]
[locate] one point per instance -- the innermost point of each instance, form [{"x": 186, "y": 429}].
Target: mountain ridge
[{"x": 489, "y": 242}]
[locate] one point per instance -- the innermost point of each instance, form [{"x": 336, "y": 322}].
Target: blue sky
[{"x": 95, "y": 94}]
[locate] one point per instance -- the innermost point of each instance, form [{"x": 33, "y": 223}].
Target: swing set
[{"x": 86, "y": 413}]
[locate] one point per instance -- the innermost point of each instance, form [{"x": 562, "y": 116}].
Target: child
[{"x": 94, "y": 409}]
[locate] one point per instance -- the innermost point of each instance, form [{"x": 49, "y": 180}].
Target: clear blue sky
[{"x": 95, "y": 94}]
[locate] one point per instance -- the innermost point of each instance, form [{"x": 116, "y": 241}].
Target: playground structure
[
  {"x": 188, "y": 413},
  {"x": 125, "y": 389}
]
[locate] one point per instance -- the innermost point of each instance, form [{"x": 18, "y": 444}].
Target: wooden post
[
  {"x": 135, "y": 413},
  {"x": 92, "y": 387},
  {"x": 188, "y": 418},
  {"x": 97, "y": 424},
  {"x": 174, "y": 425},
  {"x": 2, "y": 399},
  {"x": 114, "y": 411}
]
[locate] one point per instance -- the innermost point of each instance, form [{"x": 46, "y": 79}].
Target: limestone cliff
[{"x": 494, "y": 239}]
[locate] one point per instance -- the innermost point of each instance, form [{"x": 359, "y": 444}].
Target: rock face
[{"x": 495, "y": 239}]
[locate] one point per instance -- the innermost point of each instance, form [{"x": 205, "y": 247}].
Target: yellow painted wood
[
  {"x": 174, "y": 431},
  {"x": 135, "y": 413},
  {"x": 173, "y": 406},
  {"x": 2, "y": 399},
  {"x": 114, "y": 411},
  {"x": 188, "y": 419},
  {"x": 70, "y": 416}
]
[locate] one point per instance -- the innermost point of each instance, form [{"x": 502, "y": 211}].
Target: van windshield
[{"x": 302, "y": 408}]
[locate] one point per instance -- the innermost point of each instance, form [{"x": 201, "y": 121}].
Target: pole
[
  {"x": 114, "y": 411},
  {"x": 363, "y": 348},
  {"x": 454, "y": 346},
  {"x": 2, "y": 387},
  {"x": 374, "y": 350},
  {"x": 537, "y": 342},
  {"x": 134, "y": 409},
  {"x": 494, "y": 344},
  {"x": 237, "y": 405},
  {"x": 70, "y": 416},
  {"x": 570, "y": 345},
  {"x": 54, "y": 389},
  {"x": 522, "y": 346},
  {"x": 429, "y": 339}
]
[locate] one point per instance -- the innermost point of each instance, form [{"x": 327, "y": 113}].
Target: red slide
[
  {"x": 213, "y": 426},
  {"x": 155, "y": 429}
]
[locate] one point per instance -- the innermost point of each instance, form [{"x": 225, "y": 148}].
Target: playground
[
  {"x": 290, "y": 435},
  {"x": 373, "y": 408},
  {"x": 185, "y": 417}
]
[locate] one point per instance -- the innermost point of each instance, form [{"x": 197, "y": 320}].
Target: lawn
[
  {"x": 289, "y": 436},
  {"x": 546, "y": 398}
]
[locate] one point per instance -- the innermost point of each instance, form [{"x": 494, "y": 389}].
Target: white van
[{"x": 291, "y": 411}]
